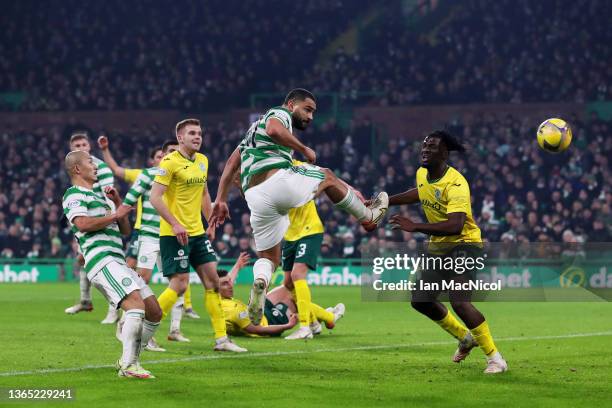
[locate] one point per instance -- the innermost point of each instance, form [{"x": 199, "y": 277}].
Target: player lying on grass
[
  {"x": 280, "y": 310},
  {"x": 444, "y": 195},
  {"x": 98, "y": 223}
]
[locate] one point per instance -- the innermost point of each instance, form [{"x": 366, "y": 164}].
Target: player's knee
[
  {"x": 133, "y": 301},
  {"x": 329, "y": 174},
  {"x": 461, "y": 307},
  {"x": 299, "y": 271},
  {"x": 153, "y": 313}
]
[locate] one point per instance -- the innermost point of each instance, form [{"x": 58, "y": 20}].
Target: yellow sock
[
  {"x": 452, "y": 326},
  {"x": 188, "y": 304},
  {"x": 483, "y": 337},
  {"x": 322, "y": 314},
  {"x": 166, "y": 300},
  {"x": 212, "y": 302},
  {"x": 302, "y": 293}
]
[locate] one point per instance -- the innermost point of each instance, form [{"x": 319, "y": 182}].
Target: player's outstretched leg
[
  {"x": 344, "y": 198},
  {"x": 84, "y": 304}
]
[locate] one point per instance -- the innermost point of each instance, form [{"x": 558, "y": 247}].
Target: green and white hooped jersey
[
  {"x": 104, "y": 174},
  {"x": 149, "y": 225},
  {"x": 258, "y": 152},
  {"x": 98, "y": 247}
]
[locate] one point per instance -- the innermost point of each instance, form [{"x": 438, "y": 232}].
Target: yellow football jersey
[
  {"x": 237, "y": 317},
  {"x": 130, "y": 176},
  {"x": 185, "y": 181},
  {"x": 448, "y": 194},
  {"x": 303, "y": 221}
]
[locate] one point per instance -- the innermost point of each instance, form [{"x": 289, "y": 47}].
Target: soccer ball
[{"x": 554, "y": 135}]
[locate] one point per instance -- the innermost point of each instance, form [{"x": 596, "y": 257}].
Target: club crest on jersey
[
  {"x": 184, "y": 263},
  {"x": 438, "y": 194},
  {"x": 181, "y": 252},
  {"x": 202, "y": 167},
  {"x": 73, "y": 204},
  {"x": 126, "y": 282}
]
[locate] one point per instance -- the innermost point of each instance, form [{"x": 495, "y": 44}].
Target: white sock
[
  {"x": 495, "y": 357},
  {"x": 112, "y": 311},
  {"x": 132, "y": 334},
  {"x": 85, "y": 285},
  {"x": 148, "y": 331},
  {"x": 352, "y": 205},
  {"x": 263, "y": 269},
  {"x": 176, "y": 314}
]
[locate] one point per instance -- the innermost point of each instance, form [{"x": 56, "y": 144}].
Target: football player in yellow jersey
[
  {"x": 300, "y": 252},
  {"x": 444, "y": 195},
  {"x": 280, "y": 311},
  {"x": 180, "y": 196},
  {"x": 130, "y": 176},
  {"x": 279, "y": 318}
]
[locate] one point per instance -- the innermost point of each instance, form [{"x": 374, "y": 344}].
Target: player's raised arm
[
  {"x": 241, "y": 262},
  {"x": 281, "y": 135},
  {"x": 407, "y": 197},
  {"x": 104, "y": 144},
  {"x": 157, "y": 193}
]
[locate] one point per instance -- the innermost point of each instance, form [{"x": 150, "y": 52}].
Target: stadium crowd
[
  {"x": 522, "y": 51},
  {"x": 520, "y": 194},
  {"x": 104, "y": 58},
  {"x": 185, "y": 54}
]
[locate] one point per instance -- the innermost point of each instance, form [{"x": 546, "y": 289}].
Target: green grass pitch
[{"x": 380, "y": 354}]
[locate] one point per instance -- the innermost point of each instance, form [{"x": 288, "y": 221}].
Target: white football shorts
[
  {"x": 270, "y": 201},
  {"x": 117, "y": 280}
]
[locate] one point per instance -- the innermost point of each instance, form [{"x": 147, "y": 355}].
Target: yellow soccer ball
[{"x": 554, "y": 135}]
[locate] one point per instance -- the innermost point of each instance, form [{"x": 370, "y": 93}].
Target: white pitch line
[{"x": 295, "y": 352}]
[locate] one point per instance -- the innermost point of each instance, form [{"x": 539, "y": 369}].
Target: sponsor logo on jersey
[
  {"x": 196, "y": 180},
  {"x": 434, "y": 206}
]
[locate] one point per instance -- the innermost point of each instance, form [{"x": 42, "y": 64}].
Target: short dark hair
[
  {"x": 222, "y": 273},
  {"x": 78, "y": 136},
  {"x": 185, "y": 122},
  {"x": 168, "y": 143},
  {"x": 154, "y": 152},
  {"x": 450, "y": 141},
  {"x": 298, "y": 94}
]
